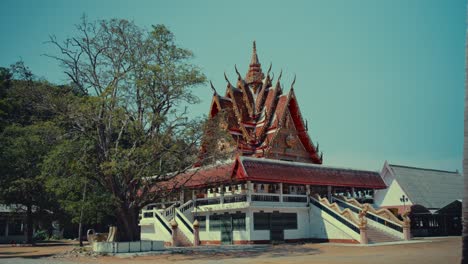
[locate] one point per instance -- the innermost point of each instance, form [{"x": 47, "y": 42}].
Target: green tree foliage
[{"x": 21, "y": 153}]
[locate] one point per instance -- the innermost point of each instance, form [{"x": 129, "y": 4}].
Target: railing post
[
  {"x": 249, "y": 191},
  {"x": 196, "y": 234},
  {"x": 174, "y": 232},
  {"x": 363, "y": 232},
  {"x": 281, "y": 192}
]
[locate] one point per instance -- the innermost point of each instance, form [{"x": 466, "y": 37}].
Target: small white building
[{"x": 432, "y": 189}]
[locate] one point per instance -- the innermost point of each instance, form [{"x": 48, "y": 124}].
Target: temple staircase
[
  {"x": 342, "y": 220},
  {"x": 381, "y": 224},
  {"x": 375, "y": 235}
]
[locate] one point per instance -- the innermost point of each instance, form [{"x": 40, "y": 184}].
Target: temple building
[{"x": 274, "y": 188}]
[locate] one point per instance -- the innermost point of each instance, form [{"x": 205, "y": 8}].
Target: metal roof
[{"x": 427, "y": 187}]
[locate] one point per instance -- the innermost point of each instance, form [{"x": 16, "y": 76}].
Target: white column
[
  {"x": 181, "y": 196},
  {"x": 194, "y": 197},
  {"x": 353, "y": 194},
  {"x": 249, "y": 191},
  {"x": 281, "y": 192},
  {"x": 308, "y": 192}
]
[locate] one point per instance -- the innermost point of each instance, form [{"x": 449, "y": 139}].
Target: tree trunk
[
  {"x": 464, "y": 259},
  {"x": 127, "y": 226},
  {"x": 29, "y": 225}
]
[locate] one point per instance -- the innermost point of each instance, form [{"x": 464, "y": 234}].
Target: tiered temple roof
[{"x": 263, "y": 121}]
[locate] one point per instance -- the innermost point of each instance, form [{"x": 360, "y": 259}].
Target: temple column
[
  {"x": 353, "y": 192},
  {"x": 308, "y": 192},
  {"x": 329, "y": 193},
  {"x": 281, "y": 192},
  {"x": 181, "y": 196},
  {"x": 194, "y": 197},
  {"x": 249, "y": 191}
]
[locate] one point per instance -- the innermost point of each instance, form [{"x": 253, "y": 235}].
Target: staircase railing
[
  {"x": 345, "y": 216},
  {"x": 382, "y": 216},
  {"x": 169, "y": 212}
]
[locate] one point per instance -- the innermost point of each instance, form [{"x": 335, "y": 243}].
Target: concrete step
[{"x": 378, "y": 236}]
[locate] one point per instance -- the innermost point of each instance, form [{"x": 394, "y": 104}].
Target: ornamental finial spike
[
  {"x": 238, "y": 74},
  {"x": 294, "y": 81},
  {"x": 212, "y": 88},
  {"x": 254, "y": 60}
]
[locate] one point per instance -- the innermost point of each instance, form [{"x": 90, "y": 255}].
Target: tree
[
  {"x": 136, "y": 83},
  {"x": 21, "y": 154}
]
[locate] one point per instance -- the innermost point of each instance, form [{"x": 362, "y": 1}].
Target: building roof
[
  {"x": 428, "y": 187},
  {"x": 269, "y": 170},
  {"x": 255, "y": 107},
  {"x": 305, "y": 173}
]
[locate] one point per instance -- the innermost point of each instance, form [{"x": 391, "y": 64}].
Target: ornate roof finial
[
  {"x": 212, "y": 88},
  {"x": 294, "y": 81},
  {"x": 254, "y": 74},
  {"x": 227, "y": 80},
  {"x": 279, "y": 77},
  {"x": 269, "y": 69},
  {"x": 238, "y": 74},
  {"x": 254, "y": 54}
]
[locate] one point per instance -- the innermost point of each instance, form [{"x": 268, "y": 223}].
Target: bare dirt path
[{"x": 439, "y": 250}]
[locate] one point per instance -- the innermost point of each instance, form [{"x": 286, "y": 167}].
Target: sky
[{"x": 377, "y": 80}]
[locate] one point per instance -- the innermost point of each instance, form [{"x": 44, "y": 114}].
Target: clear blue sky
[{"x": 377, "y": 80}]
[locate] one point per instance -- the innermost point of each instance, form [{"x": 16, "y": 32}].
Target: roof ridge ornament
[
  {"x": 293, "y": 82},
  {"x": 212, "y": 88},
  {"x": 237, "y": 72}
]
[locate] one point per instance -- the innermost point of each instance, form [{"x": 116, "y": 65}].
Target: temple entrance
[
  {"x": 276, "y": 228},
  {"x": 226, "y": 229}
]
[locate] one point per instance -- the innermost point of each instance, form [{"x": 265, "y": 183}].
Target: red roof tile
[{"x": 302, "y": 173}]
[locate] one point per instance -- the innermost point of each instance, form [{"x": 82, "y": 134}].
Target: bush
[{"x": 40, "y": 235}]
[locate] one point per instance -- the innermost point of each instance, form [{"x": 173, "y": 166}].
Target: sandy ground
[{"x": 436, "y": 250}]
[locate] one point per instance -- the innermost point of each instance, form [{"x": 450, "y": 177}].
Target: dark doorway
[
  {"x": 276, "y": 228},
  {"x": 226, "y": 229}
]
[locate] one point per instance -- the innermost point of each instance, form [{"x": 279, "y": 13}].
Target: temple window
[{"x": 202, "y": 221}]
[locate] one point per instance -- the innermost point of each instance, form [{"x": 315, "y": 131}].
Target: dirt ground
[{"x": 435, "y": 250}]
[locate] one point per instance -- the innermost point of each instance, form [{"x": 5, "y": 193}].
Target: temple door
[
  {"x": 276, "y": 228},
  {"x": 226, "y": 229}
]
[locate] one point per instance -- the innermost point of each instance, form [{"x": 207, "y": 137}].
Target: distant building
[
  {"x": 432, "y": 189},
  {"x": 432, "y": 196},
  {"x": 11, "y": 223}
]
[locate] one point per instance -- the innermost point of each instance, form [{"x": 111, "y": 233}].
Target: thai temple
[{"x": 274, "y": 188}]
